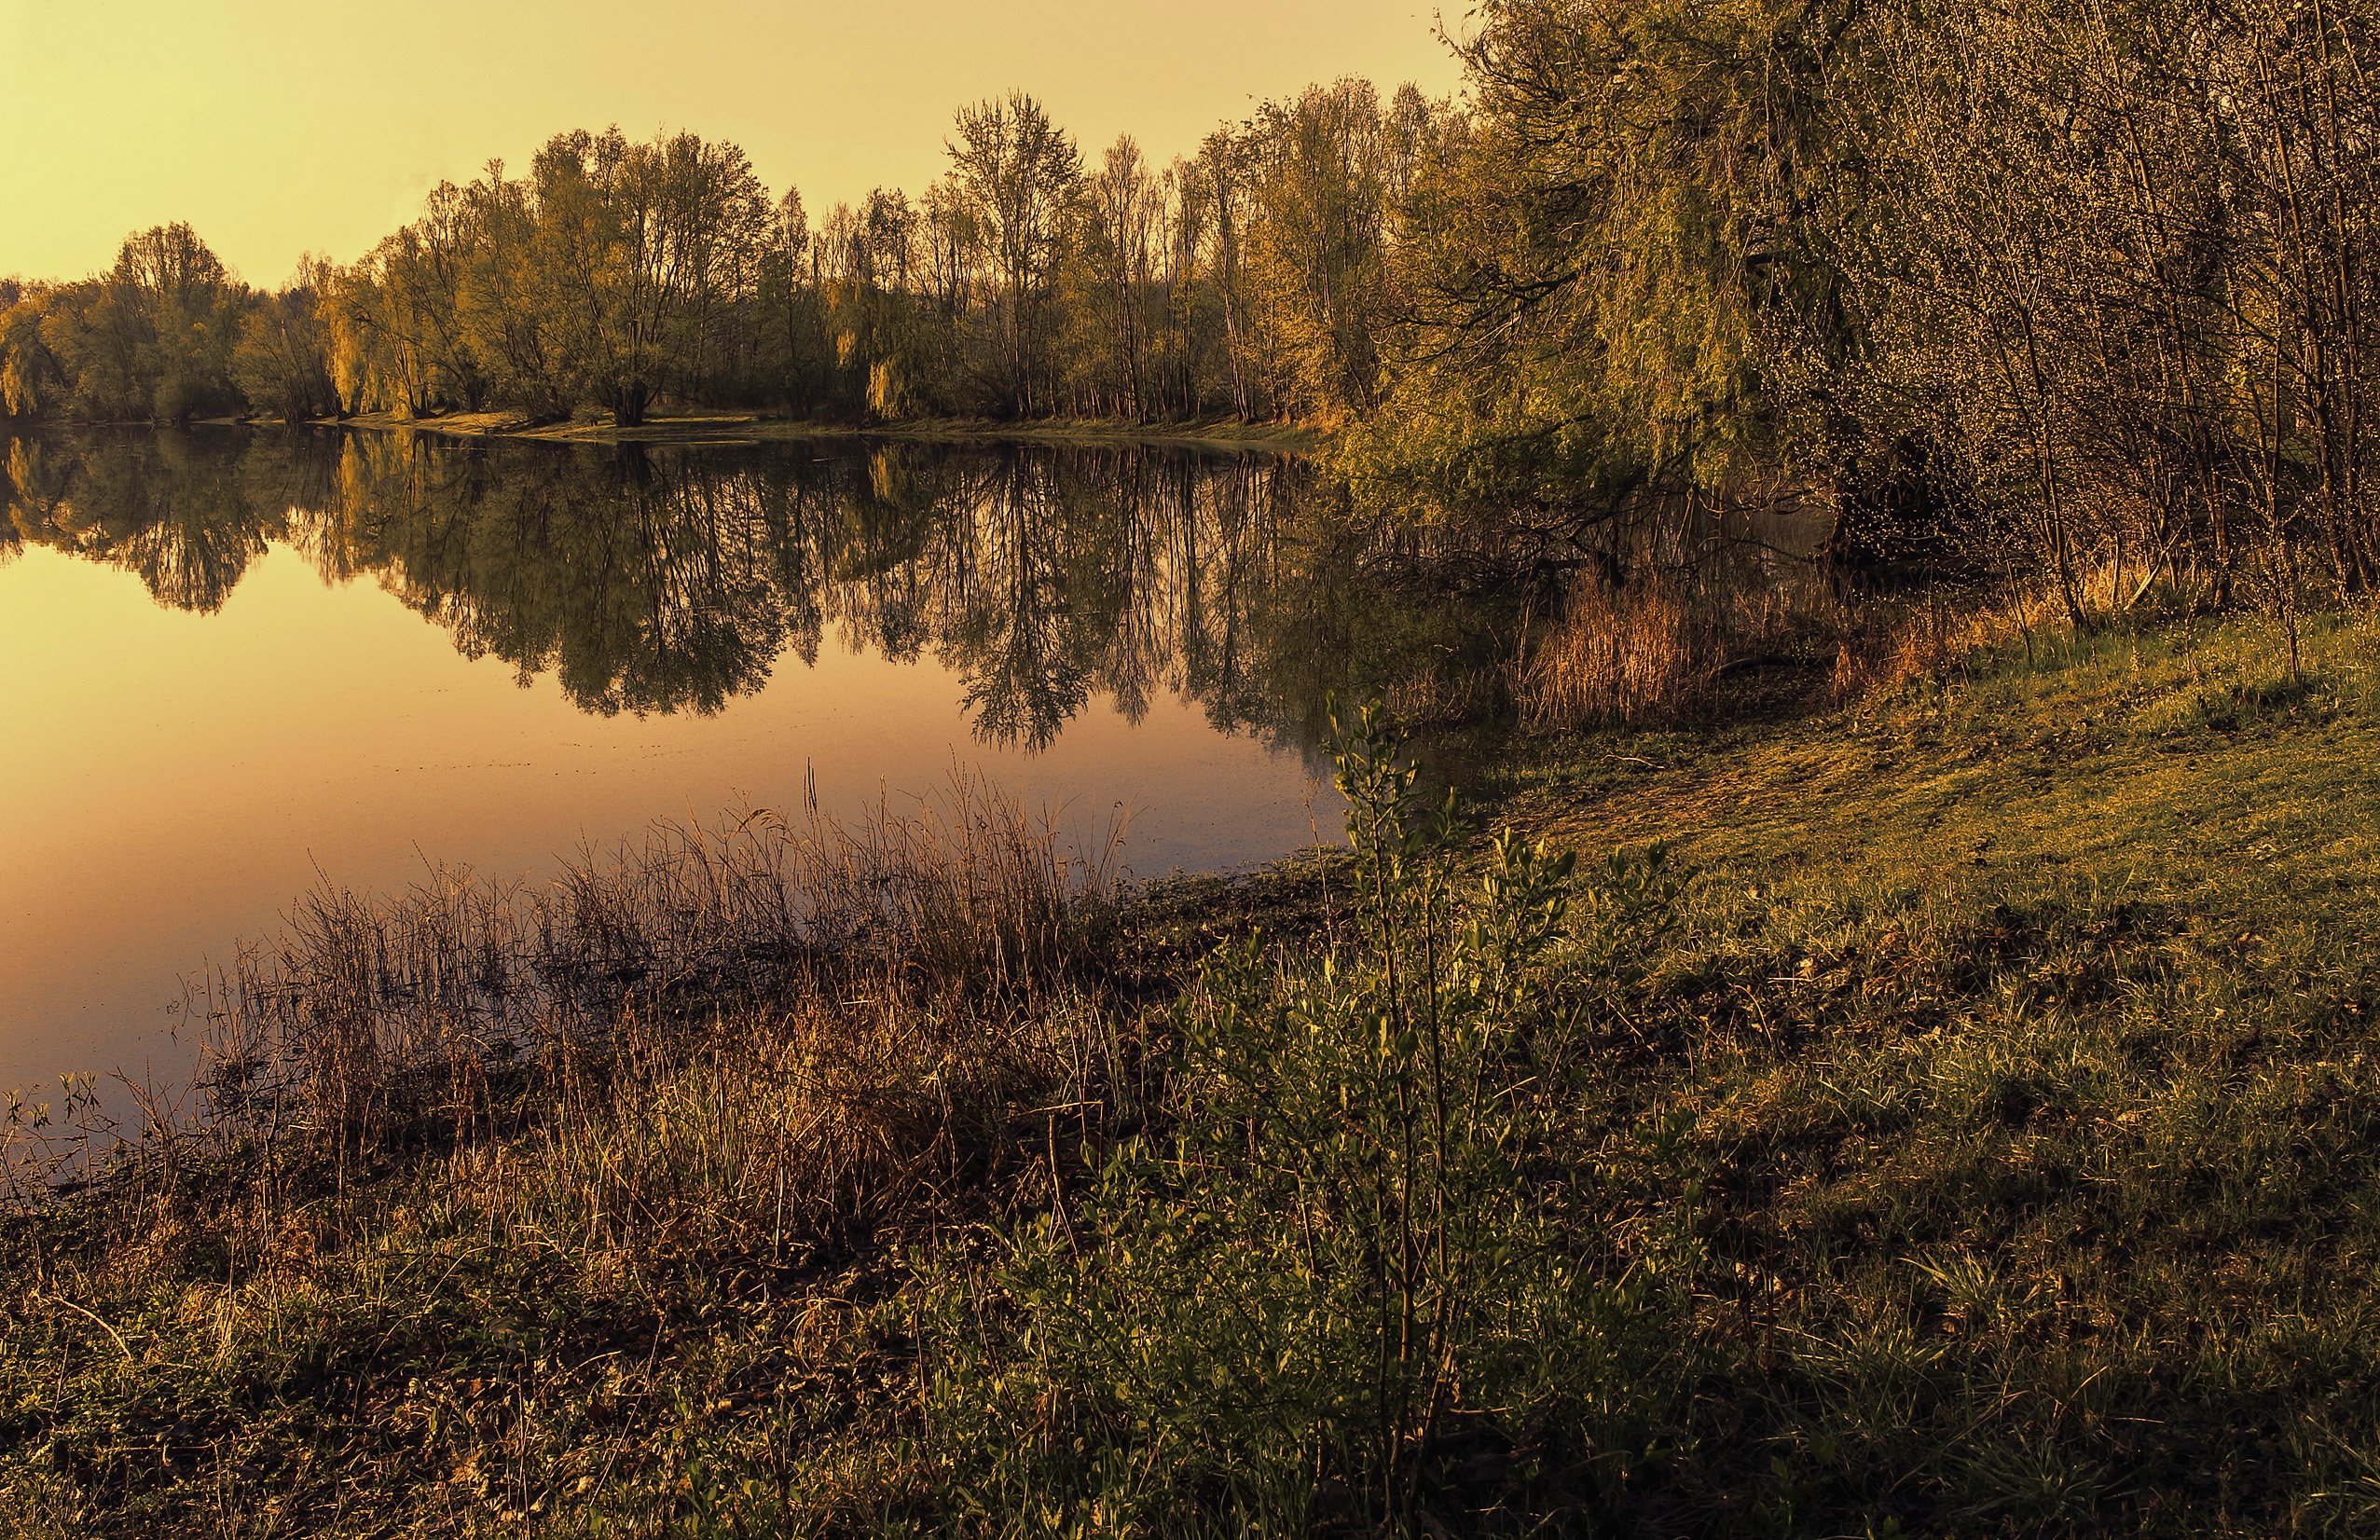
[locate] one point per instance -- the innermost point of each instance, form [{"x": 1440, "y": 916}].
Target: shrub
[{"x": 1333, "y": 1265}]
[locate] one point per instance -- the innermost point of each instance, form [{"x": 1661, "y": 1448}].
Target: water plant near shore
[
  {"x": 359, "y": 999},
  {"x": 1332, "y": 1257}
]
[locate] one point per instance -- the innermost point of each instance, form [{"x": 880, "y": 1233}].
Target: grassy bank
[
  {"x": 1950, "y": 1114},
  {"x": 733, "y": 428}
]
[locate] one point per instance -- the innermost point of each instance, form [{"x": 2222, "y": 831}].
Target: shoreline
[
  {"x": 753, "y": 429},
  {"x": 1214, "y": 437},
  {"x": 1853, "y": 988}
]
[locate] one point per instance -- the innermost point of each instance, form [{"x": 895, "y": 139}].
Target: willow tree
[
  {"x": 1218, "y": 182},
  {"x": 1186, "y": 367},
  {"x": 866, "y": 271},
  {"x": 793, "y": 337},
  {"x": 283, "y": 359},
  {"x": 644, "y": 251},
  {"x": 32, "y": 380},
  {"x": 1113, "y": 285},
  {"x": 1327, "y": 169},
  {"x": 401, "y": 318},
  {"x": 1618, "y": 269},
  {"x": 510, "y": 314},
  {"x": 150, "y": 338}
]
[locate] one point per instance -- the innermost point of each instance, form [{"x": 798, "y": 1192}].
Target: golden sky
[{"x": 278, "y": 127}]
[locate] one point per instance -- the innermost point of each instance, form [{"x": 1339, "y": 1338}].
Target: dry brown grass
[
  {"x": 1891, "y": 643},
  {"x": 1894, "y": 644},
  {"x": 1650, "y": 652},
  {"x": 367, "y": 1012},
  {"x": 783, "y": 1126},
  {"x": 1646, "y": 652},
  {"x": 1620, "y": 654}
]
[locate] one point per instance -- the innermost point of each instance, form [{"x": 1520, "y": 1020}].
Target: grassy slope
[
  {"x": 2014, "y": 1094},
  {"x": 1998, "y": 1127}
]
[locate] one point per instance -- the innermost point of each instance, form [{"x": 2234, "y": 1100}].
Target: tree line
[
  {"x": 2073, "y": 289},
  {"x": 616, "y": 275}
]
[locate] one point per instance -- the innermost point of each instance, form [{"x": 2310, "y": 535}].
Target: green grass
[
  {"x": 2014, "y": 1089},
  {"x": 1967, "y": 1123}
]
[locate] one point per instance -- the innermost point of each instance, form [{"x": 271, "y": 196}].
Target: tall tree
[
  {"x": 1122, "y": 217},
  {"x": 1018, "y": 175}
]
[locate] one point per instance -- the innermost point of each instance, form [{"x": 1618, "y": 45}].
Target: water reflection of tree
[
  {"x": 166, "y": 507},
  {"x": 638, "y": 591},
  {"x": 666, "y": 580}
]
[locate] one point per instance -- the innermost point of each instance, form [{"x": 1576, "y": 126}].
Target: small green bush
[{"x": 1332, "y": 1288}]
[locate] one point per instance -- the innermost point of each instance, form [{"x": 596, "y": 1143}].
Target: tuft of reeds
[
  {"x": 1645, "y": 651},
  {"x": 1617, "y": 653},
  {"x": 368, "y": 1010}
]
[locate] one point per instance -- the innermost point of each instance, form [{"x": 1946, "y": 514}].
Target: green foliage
[
  {"x": 624, "y": 276},
  {"x": 1330, "y": 1262},
  {"x": 1257, "y": 279},
  {"x": 2077, "y": 298},
  {"x": 1602, "y": 260},
  {"x": 149, "y": 340},
  {"x": 282, "y": 361}
]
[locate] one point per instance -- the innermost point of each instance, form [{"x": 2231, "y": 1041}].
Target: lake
[{"x": 243, "y": 664}]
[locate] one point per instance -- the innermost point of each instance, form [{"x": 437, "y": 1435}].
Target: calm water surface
[{"x": 241, "y": 664}]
